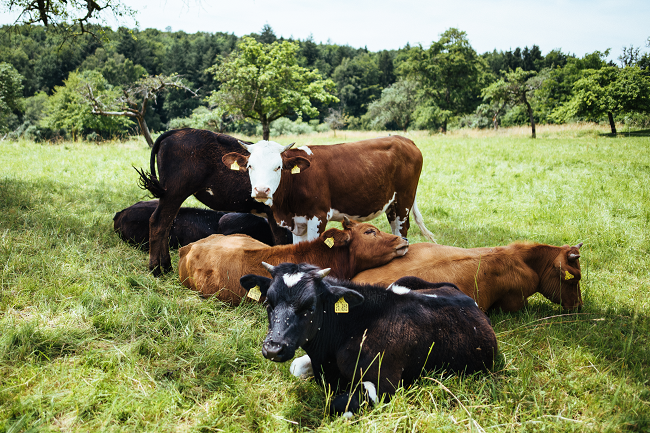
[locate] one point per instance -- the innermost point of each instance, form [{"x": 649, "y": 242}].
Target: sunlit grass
[{"x": 89, "y": 341}]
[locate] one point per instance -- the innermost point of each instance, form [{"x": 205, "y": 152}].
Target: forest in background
[{"x": 446, "y": 85}]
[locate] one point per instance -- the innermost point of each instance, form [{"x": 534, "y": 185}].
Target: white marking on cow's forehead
[
  {"x": 292, "y": 279},
  {"x": 372, "y": 391},
  {"x": 337, "y": 215},
  {"x": 263, "y": 145},
  {"x": 400, "y": 290},
  {"x": 306, "y": 150}
]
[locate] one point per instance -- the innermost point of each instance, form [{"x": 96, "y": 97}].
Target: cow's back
[{"x": 214, "y": 265}]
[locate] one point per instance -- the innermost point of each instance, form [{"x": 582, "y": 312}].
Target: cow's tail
[
  {"x": 417, "y": 216},
  {"x": 149, "y": 181}
]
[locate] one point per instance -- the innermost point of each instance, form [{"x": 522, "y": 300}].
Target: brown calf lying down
[
  {"x": 213, "y": 266},
  {"x": 497, "y": 278}
]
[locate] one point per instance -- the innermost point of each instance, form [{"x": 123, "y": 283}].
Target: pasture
[{"x": 90, "y": 341}]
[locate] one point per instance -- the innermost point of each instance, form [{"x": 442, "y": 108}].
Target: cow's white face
[{"x": 265, "y": 170}]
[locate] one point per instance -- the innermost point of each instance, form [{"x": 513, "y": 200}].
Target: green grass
[{"x": 89, "y": 341}]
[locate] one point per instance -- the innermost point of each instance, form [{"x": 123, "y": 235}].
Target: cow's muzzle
[{"x": 277, "y": 352}]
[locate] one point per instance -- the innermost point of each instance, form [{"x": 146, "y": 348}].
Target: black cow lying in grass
[
  {"x": 190, "y": 225},
  {"x": 350, "y": 331}
]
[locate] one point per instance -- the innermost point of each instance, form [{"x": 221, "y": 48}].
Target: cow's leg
[
  {"x": 398, "y": 218},
  {"x": 159, "y": 225},
  {"x": 301, "y": 367},
  {"x": 277, "y": 231},
  {"x": 347, "y": 404}
]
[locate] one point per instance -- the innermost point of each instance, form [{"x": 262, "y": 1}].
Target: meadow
[{"x": 90, "y": 341}]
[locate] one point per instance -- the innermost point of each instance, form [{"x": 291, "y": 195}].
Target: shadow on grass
[{"x": 623, "y": 133}]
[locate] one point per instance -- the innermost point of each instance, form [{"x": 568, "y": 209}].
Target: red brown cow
[
  {"x": 309, "y": 186},
  {"x": 213, "y": 266},
  {"x": 497, "y": 278}
]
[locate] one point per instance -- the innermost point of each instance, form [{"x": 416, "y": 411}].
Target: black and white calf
[{"x": 350, "y": 331}]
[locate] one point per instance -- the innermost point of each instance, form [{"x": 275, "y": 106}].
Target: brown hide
[
  {"x": 213, "y": 266},
  {"x": 497, "y": 277}
]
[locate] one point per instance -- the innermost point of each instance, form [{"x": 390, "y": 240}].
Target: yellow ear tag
[
  {"x": 330, "y": 243},
  {"x": 255, "y": 293},
  {"x": 568, "y": 276},
  {"x": 341, "y": 306},
  {"x": 295, "y": 170},
  {"x": 234, "y": 166}
]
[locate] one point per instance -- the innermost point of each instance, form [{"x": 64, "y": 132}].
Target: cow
[
  {"x": 358, "y": 333},
  {"x": 189, "y": 163},
  {"x": 309, "y": 186},
  {"x": 190, "y": 225},
  {"x": 496, "y": 277},
  {"x": 212, "y": 266}
]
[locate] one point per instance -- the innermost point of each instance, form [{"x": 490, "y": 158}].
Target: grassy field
[{"x": 89, "y": 341}]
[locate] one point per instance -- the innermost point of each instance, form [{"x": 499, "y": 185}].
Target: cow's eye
[
  {"x": 371, "y": 232},
  {"x": 277, "y": 169}
]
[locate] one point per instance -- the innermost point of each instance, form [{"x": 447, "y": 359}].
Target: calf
[
  {"x": 309, "y": 186},
  {"x": 189, "y": 163},
  {"x": 212, "y": 266},
  {"x": 191, "y": 224},
  {"x": 362, "y": 333},
  {"x": 497, "y": 277}
]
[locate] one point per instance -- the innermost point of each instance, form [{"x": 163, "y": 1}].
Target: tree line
[{"x": 106, "y": 83}]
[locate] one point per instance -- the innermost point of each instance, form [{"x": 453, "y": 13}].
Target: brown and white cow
[
  {"x": 309, "y": 186},
  {"x": 497, "y": 277},
  {"x": 213, "y": 266}
]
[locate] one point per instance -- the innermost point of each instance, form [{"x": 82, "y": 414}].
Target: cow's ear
[
  {"x": 296, "y": 164},
  {"x": 352, "y": 297},
  {"x": 235, "y": 161},
  {"x": 249, "y": 281},
  {"x": 335, "y": 238},
  {"x": 347, "y": 223}
]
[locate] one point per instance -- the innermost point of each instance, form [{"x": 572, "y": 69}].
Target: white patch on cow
[
  {"x": 209, "y": 191},
  {"x": 432, "y": 296},
  {"x": 400, "y": 290},
  {"x": 396, "y": 226},
  {"x": 306, "y": 150},
  {"x": 292, "y": 279},
  {"x": 304, "y": 229},
  {"x": 347, "y": 414},
  {"x": 301, "y": 367},
  {"x": 372, "y": 391},
  {"x": 263, "y": 163}
]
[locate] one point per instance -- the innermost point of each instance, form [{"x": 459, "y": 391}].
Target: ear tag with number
[
  {"x": 234, "y": 166},
  {"x": 255, "y": 293},
  {"x": 568, "y": 276},
  {"x": 329, "y": 242},
  {"x": 341, "y": 306},
  {"x": 295, "y": 170}
]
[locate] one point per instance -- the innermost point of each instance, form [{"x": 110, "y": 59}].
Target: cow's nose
[
  {"x": 404, "y": 237},
  {"x": 272, "y": 351},
  {"x": 262, "y": 191}
]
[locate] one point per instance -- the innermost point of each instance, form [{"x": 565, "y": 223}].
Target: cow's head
[
  {"x": 296, "y": 299},
  {"x": 560, "y": 282},
  {"x": 369, "y": 247},
  {"x": 265, "y": 163}
]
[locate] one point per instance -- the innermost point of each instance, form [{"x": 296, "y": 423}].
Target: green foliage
[
  {"x": 264, "y": 82},
  {"x": 357, "y": 83},
  {"x": 11, "y": 98},
  {"x": 451, "y": 75},
  {"x": 397, "y": 106},
  {"x": 607, "y": 91},
  {"x": 68, "y": 109}
]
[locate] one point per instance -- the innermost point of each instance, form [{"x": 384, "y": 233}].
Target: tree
[
  {"x": 70, "y": 17},
  {"x": 397, "y": 105},
  {"x": 357, "y": 82},
  {"x": 450, "y": 73},
  {"x": 608, "y": 91},
  {"x": 516, "y": 87},
  {"x": 337, "y": 119},
  {"x": 263, "y": 82},
  {"x": 134, "y": 99},
  {"x": 67, "y": 108},
  {"x": 11, "y": 93}
]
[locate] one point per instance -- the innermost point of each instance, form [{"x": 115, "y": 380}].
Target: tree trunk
[
  {"x": 145, "y": 130},
  {"x": 444, "y": 126},
  {"x": 530, "y": 115},
  {"x": 610, "y": 116},
  {"x": 266, "y": 129}
]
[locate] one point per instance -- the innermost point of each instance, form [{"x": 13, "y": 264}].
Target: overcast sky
[{"x": 574, "y": 26}]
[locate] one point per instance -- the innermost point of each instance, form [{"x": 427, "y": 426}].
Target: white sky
[{"x": 575, "y": 26}]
